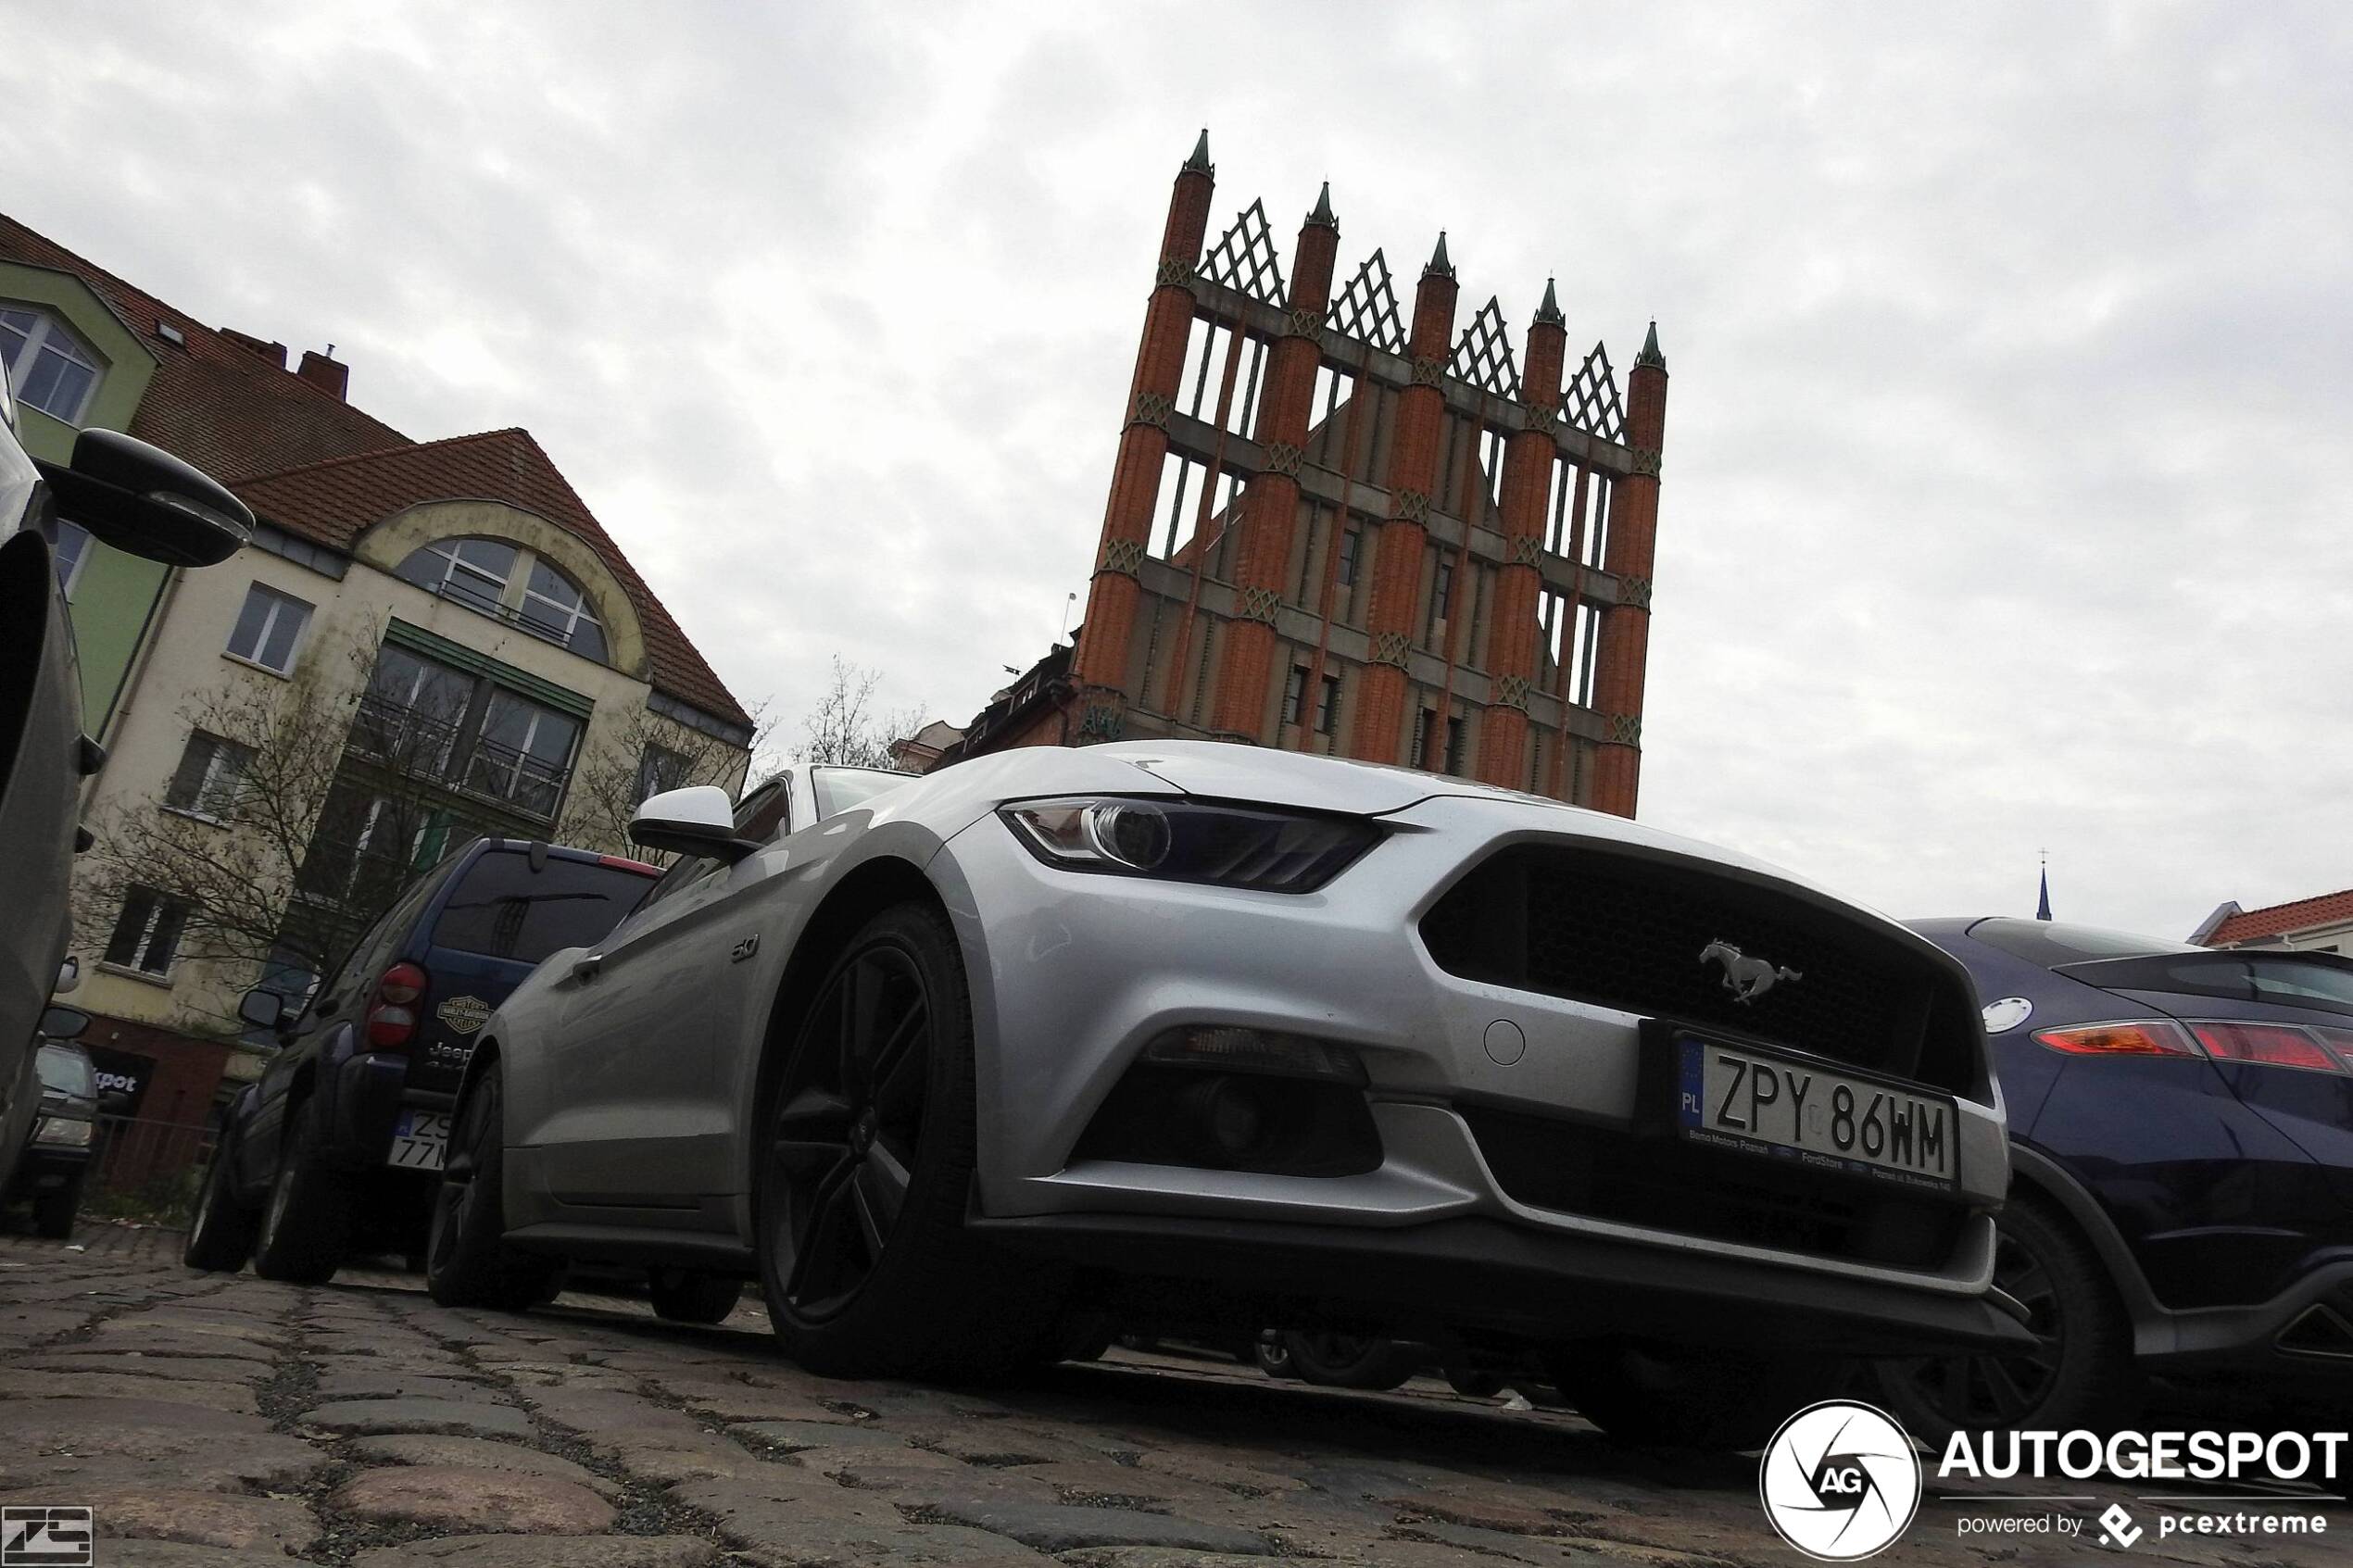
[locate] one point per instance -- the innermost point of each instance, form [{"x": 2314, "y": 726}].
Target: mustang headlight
[{"x": 1180, "y": 840}]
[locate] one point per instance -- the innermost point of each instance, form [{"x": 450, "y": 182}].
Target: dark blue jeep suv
[
  {"x": 2182, "y": 1174},
  {"x": 339, "y": 1147}
]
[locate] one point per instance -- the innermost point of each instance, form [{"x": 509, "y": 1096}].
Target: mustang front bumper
[{"x": 1074, "y": 974}]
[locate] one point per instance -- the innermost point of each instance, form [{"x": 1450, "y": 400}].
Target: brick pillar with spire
[
  {"x": 1514, "y": 638},
  {"x": 1415, "y": 448},
  {"x": 1626, "y": 625},
  {"x": 1270, "y": 512},
  {"x": 1101, "y": 661}
]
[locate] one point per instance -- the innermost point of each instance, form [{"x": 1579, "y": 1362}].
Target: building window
[
  {"x": 474, "y": 571},
  {"x": 71, "y": 548},
  {"x": 524, "y": 753},
  {"x": 53, "y": 370},
  {"x": 1327, "y": 706},
  {"x": 146, "y": 935},
  {"x": 1454, "y": 746},
  {"x": 554, "y": 607},
  {"x": 269, "y": 629},
  {"x": 209, "y": 772},
  {"x": 661, "y": 769},
  {"x": 429, "y": 723},
  {"x": 510, "y": 584},
  {"x": 1441, "y": 595},
  {"x": 1294, "y": 694},
  {"x": 1348, "y": 540}
]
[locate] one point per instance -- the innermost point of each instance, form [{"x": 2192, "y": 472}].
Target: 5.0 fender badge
[
  {"x": 464, "y": 1014},
  {"x": 744, "y": 949}
]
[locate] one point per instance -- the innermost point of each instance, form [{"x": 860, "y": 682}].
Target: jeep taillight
[{"x": 392, "y": 1014}]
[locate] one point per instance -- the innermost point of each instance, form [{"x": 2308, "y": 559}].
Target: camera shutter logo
[
  {"x": 1840, "y": 1481},
  {"x": 46, "y": 1537}
]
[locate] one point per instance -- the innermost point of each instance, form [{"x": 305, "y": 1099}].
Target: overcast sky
[{"x": 2009, "y": 439}]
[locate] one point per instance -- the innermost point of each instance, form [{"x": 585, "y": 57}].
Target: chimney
[
  {"x": 273, "y": 352},
  {"x": 325, "y": 373}
]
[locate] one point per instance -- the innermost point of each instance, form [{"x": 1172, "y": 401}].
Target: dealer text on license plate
[
  {"x": 419, "y": 1140},
  {"x": 1767, "y": 1105}
]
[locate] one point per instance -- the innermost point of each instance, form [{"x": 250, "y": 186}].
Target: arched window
[
  {"x": 513, "y": 584},
  {"x": 555, "y": 608},
  {"x": 474, "y": 571},
  {"x": 52, "y": 369}
]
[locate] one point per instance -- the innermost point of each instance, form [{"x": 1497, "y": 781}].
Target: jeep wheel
[
  {"x": 221, "y": 1236},
  {"x": 308, "y": 1217}
]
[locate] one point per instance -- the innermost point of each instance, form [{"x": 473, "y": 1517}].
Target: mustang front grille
[{"x": 1630, "y": 932}]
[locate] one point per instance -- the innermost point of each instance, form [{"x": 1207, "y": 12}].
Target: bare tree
[
  {"x": 845, "y": 726},
  {"x": 296, "y": 815},
  {"x": 646, "y": 758}
]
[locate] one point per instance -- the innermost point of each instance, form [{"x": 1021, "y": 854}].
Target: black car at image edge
[
  {"x": 338, "y": 1150},
  {"x": 2181, "y": 1204}
]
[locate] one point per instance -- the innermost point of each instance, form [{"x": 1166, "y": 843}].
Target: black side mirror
[
  {"x": 113, "y": 1102},
  {"x": 142, "y": 499},
  {"x": 64, "y": 1023},
  {"x": 261, "y": 1008}
]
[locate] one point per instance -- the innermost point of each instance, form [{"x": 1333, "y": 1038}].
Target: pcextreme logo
[{"x": 1840, "y": 1481}]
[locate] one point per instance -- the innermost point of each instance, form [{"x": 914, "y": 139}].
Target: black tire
[
  {"x": 468, "y": 1263},
  {"x": 306, "y": 1219},
  {"x": 221, "y": 1236},
  {"x": 865, "y": 1163},
  {"x": 691, "y": 1296},
  {"x": 52, "y": 1213},
  {"x": 1678, "y": 1397},
  {"x": 1352, "y": 1361},
  {"x": 2081, "y": 1374},
  {"x": 1272, "y": 1352}
]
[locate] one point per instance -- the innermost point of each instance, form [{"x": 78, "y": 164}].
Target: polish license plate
[
  {"x": 1734, "y": 1097},
  {"x": 419, "y": 1140}
]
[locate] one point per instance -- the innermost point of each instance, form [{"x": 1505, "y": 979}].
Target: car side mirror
[
  {"x": 68, "y": 976},
  {"x": 64, "y": 1023},
  {"x": 113, "y": 1102},
  {"x": 143, "y": 500},
  {"x": 699, "y": 821},
  {"x": 261, "y": 1008}
]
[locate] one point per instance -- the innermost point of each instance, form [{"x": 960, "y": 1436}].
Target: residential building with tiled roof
[
  {"x": 2319, "y": 924},
  {"x": 425, "y": 641}
]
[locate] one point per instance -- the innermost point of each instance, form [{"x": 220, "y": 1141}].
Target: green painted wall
[{"x": 116, "y": 592}]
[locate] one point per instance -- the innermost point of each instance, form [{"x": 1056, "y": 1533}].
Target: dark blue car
[
  {"x": 338, "y": 1148},
  {"x": 2181, "y": 1160}
]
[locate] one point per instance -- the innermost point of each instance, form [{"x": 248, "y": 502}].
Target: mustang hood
[{"x": 1280, "y": 778}]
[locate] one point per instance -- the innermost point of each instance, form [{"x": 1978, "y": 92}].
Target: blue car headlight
[{"x": 1183, "y": 840}]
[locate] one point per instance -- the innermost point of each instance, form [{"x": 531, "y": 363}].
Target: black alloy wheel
[
  {"x": 859, "y": 1195},
  {"x": 468, "y": 1263},
  {"x": 850, "y": 1119},
  {"x": 2079, "y": 1372}
]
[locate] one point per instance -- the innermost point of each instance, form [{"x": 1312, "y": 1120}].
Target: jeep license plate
[
  {"x": 1735, "y": 1098},
  {"x": 419, "y": 1140}
]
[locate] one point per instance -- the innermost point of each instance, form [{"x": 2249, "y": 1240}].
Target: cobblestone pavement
[{"x": 225, "y": 1420}]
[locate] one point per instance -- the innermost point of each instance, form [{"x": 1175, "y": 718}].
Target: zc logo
[
  {"x": 1840, "y": 1481},
  {"x": 46, "y": 1537}
]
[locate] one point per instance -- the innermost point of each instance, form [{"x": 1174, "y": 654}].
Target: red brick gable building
[{"x": 1334, "y": 526}]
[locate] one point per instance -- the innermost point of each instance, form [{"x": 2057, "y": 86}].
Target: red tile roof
[
  {"x": 2328, "y": 909},
  {"x": 289, "y": 447},
  {"x": 334, "y": 502},
  {"x": 213, "y": 401}
]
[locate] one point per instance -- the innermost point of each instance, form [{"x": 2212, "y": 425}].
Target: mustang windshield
[{"x": 841, "y": 788}]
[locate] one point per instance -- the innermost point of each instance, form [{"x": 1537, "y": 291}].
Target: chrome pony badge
[{"x": 1745, "y": 977}]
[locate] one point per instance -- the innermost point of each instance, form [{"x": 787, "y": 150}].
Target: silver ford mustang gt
[{"x": 1189, "y": 1029}]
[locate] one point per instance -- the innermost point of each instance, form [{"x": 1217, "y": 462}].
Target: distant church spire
[{"x": 2043, "y": 904}]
